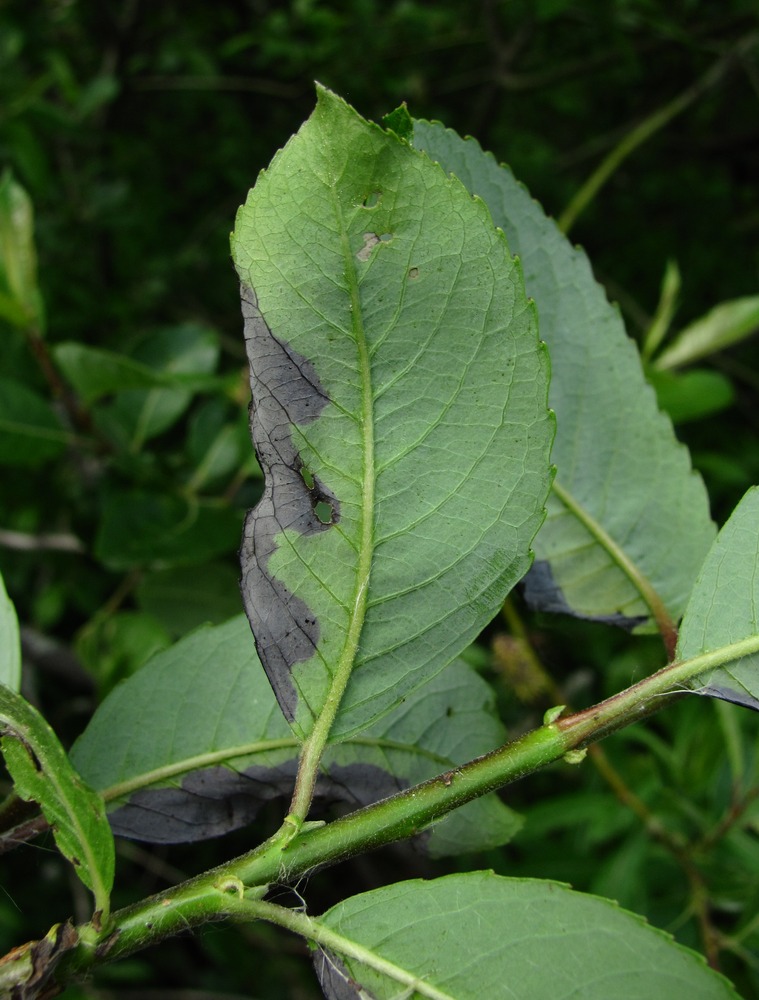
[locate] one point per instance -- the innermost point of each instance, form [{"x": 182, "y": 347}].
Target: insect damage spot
[
  {"x": 370, "y": 242},
  {"x": 285, "y": 390},
  {"x": 413, "y": 273},
  {"x": 372, "y": 199}
]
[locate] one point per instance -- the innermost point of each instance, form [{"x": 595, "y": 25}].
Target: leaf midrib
[
  {"x": 315, "y": 743},
  {"x": 634, "y": 574}
]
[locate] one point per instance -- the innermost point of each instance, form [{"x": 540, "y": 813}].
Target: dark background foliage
[{"x": 137, "y": 129}]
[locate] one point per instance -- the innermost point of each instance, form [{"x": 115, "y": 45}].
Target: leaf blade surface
[
  {"x": 477, "y": 935},
  {"x": 194, "y": 744},
  {"x": 628, "y": 522},
  {"x": 724, "y": 607},
  {"x": 398, "y": 412}
]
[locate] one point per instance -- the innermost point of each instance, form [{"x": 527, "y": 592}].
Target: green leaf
[
  {"x": 137, "y": 415},
  {"x": 218, "y": 443},
  {"x": 665, "y": 310},
  {"x": 399, "y": 413},
  {"x": 42, "y": 773},
  {"x": 692, "y": 395},
  {"x": 30, "y": 432},
  {"x": 724, "y": 607},
  {"x": 183, "y": 601},
  {"x": 10, "y": 642},
  {"x": 20, "y": 300},
  {"x": 114, "y": 646},
  {"x": 400, "y": 122},
  {"x": 141, "y": 528},
  {"x": 726, "y": 324},
  {"x": 466, "y": 937},
  {"x": 194, "y": 744},
  {"x": 95, "y": 373},
  {"x": 628, "y": 520}
]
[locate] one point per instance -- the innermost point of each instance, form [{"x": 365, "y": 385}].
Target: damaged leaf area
[
  {"x": 194, "y": 744},
  {"x": 399, "y": 414}
]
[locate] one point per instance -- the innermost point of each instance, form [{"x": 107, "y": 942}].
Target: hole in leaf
[
  {"x": 413, "y": 273},
  {"x": 386, "y": 237},
  {"x": 371, "y": 199},
  {"x": 324, "y": 511},
  {"x": 308, "y": 477}
]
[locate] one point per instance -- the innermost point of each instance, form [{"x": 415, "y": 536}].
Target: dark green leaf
[
  {"x": 139, "y": 528},
  {"x": 693, "y": 394},
  {"x": 95, "y": 373},
  {"x": 182, "y": 601},
  {"x": 30, "y": 432},
  {"x": 136, "y": 415}
]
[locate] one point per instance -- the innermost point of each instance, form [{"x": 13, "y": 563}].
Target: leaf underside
[
  {"x": 477, "y": 935},
  {"x": 199, "y": 737},
  {"x": 399, "y": 414},
  {"x": 724, "y": 607},
  {"x": 628, "y": 520}
]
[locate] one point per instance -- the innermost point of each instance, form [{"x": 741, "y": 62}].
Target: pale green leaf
[
  {"x": 628, "y": 520},
  {"x": 725, "y": 325},
  {"x": 478, "y": 935},
  {"x": 399, "y": 413},
  {"x": 10, "y": 642},
  {"x": 724, "y": 608},
  {"x": 194, "y": 744},
  {"x": 43, "y": 773}
]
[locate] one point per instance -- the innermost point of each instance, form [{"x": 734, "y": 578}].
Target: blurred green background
[{"x": 136, "y": 129}]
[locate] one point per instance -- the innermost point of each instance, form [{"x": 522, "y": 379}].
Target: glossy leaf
[
  {"x": 399, "y": 414},
  {"x": 10, "y": 642},
  {"x": 42, "y": 773},
  {"x": 30, "y": 432},
  {"x": 628, "y": 520},
  {"x": 194, "y": 744},
  {"x": 466, "y": 937},
  {"x": 724, "y": 607},
  {"x": 726, "y": 324}
]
